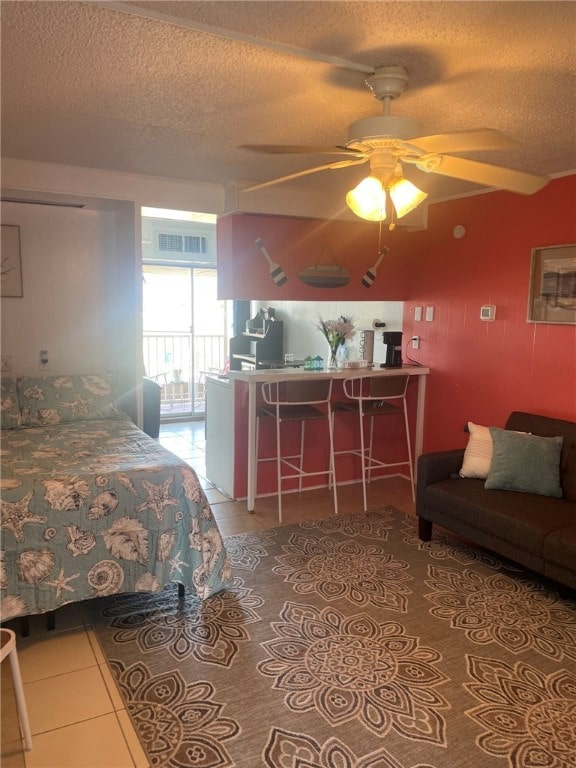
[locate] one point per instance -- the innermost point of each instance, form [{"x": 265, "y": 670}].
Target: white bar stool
[
  {"x": 297, "y": 401},
  {"x": 8, "y": 648},
  {"x": 371, "y": 396}
]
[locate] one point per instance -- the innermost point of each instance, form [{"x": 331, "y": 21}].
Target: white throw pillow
[{"x": 478, "y": 453}]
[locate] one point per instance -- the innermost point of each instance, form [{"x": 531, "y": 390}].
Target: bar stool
[
  {"x": 8, "y": 648},
  {"x": 297, "y": 401},
  {"x": 371, "y": 396}
]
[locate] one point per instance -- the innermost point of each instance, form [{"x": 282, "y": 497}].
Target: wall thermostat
[
  {"x": 459, "y": 231},
  {"x": 488, "y": 312}
]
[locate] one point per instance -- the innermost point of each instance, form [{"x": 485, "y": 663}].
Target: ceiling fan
[{"x": 388, "y": 141}]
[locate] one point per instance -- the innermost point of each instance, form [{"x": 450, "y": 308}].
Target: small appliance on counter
[
  {"x": 393, "y": 343},
  {"x": 367, "y": 347}
]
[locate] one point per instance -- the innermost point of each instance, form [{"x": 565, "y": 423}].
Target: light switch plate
[
  {"x": 429, "y": 314},
  {"x": 488, "y": 312},
  {"x": 417, "y": 314}
]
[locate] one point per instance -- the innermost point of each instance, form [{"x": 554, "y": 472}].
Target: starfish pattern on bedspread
[
  {"x": 62, "y": 582},
  {"x": 15, "y": 515},
  {"x": 158, "y": 497}
]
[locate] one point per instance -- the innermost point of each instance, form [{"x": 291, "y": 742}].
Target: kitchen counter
[
  {"x": 280, "y": 374},
  {"x": 245, "y": 384}
]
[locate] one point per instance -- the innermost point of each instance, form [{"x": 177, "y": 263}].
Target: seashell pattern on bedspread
[{"x": 91, "y": 508}]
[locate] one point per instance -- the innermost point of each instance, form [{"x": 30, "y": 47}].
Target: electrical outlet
[
  {"x": 6, "y": 363},
  {"x": 43, "y": 360},
  {"x": 415, "y": 342}
]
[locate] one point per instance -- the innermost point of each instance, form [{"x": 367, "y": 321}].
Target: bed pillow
[
  {"x": 478, "y": 453},
  {"x": 57, "y": 399},
  {"x": 9, "y": 406},
  {"x": 523, "y": 462}
]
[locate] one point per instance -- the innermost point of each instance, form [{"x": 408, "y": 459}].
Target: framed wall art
[
  {"x": 552, "y": 296},
  {"x": 11, "y": 269}
]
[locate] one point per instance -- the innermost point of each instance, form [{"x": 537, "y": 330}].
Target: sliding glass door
[
  {"x": 185, "y": 335},
  {"x": 185, "y": 327}
]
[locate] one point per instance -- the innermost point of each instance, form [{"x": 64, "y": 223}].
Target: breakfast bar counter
[{"x": 231, "y": 410}]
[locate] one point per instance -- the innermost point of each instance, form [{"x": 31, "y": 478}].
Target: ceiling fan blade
[
  {"x": 287, "y": 149},
  {"x": 229, "y": 34},
  {"x": 298, "y": 174},
  {"x": 483, "y": 173},
  {"x": 465, "y": 141}
]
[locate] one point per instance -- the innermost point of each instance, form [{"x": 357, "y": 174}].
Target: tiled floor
[{"x": 77, "y": 718}]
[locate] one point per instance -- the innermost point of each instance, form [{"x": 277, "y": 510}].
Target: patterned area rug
[{"x": 348, "y": 643}]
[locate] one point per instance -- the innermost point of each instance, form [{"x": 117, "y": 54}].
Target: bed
[{"x": 91, "y": 505}]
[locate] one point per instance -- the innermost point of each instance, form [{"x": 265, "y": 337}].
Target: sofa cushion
[
  {"x": 525, "y": 463},
  {"x": 522, "y": 519},
  {"x": 9, "y": 407},
  {"x": 478, "y": 453},
  {"x": 549, "y": 427},
  {"x": 58, "y": 399}
]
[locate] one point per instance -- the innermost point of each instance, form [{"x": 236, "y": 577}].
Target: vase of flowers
[{"x": 336, "y": 332}]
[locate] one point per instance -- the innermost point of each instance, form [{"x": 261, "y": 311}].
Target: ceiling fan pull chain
[{"x": 390, "y": 212}]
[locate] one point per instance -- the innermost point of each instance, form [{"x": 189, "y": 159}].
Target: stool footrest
[
  {"x": 370, "y": 397},
  {"x": 297, "y": 401}
]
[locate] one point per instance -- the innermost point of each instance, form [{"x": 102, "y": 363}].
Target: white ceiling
[{"x": 85, "y": 84}]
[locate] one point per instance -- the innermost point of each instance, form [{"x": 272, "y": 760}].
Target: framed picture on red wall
[{"x": 552, "y": 296}]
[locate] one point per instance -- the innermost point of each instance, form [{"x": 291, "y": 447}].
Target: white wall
[
  {"x": 301, "y": 334},
  {"x": 82, "y": 268},
  {"x": 101, "y": 185},
  {"x": 79, "y": 286}
]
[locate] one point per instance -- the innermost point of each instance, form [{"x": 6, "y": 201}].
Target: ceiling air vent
[
  {"x": 195, "y": 244},
  {"x": 169, "y": 243},
  {"x": 172, "y": 243}
]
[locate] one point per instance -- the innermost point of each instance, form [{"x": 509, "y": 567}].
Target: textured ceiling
[{"x": 85, "y": 84}]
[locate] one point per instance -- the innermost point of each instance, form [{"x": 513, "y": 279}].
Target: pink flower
[{"x": 337, "y": 331}]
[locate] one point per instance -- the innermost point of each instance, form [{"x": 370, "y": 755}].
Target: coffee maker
[{"x": 393, "y": 343}]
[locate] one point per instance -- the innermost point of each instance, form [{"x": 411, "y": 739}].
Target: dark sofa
[{"x": 536, "y": 531}]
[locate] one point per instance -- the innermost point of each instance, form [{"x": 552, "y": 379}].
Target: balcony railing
[{"x": 179, "y": 362}]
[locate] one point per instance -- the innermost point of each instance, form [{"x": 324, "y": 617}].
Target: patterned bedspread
[{"x": 93, "y": 508}]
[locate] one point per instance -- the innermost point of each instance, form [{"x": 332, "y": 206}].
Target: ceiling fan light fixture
[
  {"x": 368, "y": 199},
  {"x": 406, "y": 196}
]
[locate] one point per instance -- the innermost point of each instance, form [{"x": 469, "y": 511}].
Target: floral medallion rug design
[{"x": 348, "y": 643}]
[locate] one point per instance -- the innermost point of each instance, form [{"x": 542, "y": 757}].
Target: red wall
[
  {"x": 480, "y": 371},
  {"x": 294, "y": 244}
]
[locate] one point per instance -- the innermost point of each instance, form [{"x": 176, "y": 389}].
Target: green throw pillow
[{"x": 525, "y": 463}]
